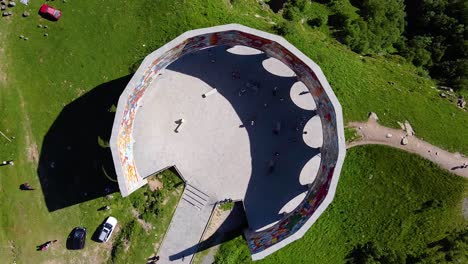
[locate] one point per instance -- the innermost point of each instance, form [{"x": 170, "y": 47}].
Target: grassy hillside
[
  {"x": 95, "y": 47},
  {"x": 98, "y": 42},
  {"x": 397, "y": 202}
]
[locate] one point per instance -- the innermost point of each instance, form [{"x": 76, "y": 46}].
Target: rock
[
  {"x": 374, "y": 116},
  {"x": 21, "y": 37},
  {"x": 5, "y": 14},
  {"x": 12, "y": 4},
  {"x": 409, "y": 129},
  {"x": 25, "y": 13},
  {"x": 3, "y": 7},
  {"x": 444, "y": 88},
  {"x": 443, "y": 95},
  {"x": 389, "y": 135},
  {"x": 46, "y": 34},
  {"x": 461, "y": 102},
  {"x": 3, "y": 2},
  {"x": 46, "y": 26},
  {"x": 401, "y": 125},
  {"x": 404, "y": 141}
]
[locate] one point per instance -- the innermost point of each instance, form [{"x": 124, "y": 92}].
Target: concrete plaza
[{"x": 255, "y": 138}]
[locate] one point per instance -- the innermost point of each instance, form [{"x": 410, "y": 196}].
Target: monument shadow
[{"x": 75, "y": 164}]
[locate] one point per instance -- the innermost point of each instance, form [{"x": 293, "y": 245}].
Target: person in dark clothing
[{"x": 26, "y": 187}]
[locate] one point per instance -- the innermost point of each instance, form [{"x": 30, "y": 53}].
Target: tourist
[{"x": 26, "y": 187}]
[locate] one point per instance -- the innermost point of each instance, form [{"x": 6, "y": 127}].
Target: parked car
[
  {"x": 49, "y": 12},
  {"x": 107, "y": 229},
  {"x": 77, "y": 238}
]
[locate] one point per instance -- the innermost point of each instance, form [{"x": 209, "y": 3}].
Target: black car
[{"x": 77, "y": 238}]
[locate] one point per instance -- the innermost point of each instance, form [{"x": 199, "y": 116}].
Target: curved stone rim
[{"x": 294, "y": 225}]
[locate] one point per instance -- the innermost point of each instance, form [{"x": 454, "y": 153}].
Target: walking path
[
  {"x": 373, "y": 133},
  {"x": 187, "y": 226}
]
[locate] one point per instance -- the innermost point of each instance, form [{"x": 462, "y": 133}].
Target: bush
[
  {"x": 233, "y": 252},
  {"x": 226, "y": 206},
  {"x": 417, "y": 51},
  {"x": 291, "y": 13},
  {"x": 170, "y": 179},
  {"x": 283, "y": 29},
  {"x": 356, "y": 36},
  {"x": 379, "y": 27},
  {"x": 315, "y": 22}
]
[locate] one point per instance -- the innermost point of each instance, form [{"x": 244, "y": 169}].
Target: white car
[{"x": 107, "y": 229}]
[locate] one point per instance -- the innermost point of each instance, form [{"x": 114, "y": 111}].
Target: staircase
[
  {"x": 195, "y": 197},
  {"x": 187, "y": 226}
]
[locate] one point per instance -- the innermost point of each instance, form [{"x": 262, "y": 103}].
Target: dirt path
[{"x": 373, "y": 133}]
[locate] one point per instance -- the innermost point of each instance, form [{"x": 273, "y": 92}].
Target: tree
[
  {"x": 378, "y": 28},
  {"x": 443, "y": 21}
]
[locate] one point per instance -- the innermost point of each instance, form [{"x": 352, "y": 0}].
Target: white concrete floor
[{"x": 226, "y": 143}]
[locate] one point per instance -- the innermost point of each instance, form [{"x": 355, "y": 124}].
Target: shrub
[{"x": 283, "y": 29}]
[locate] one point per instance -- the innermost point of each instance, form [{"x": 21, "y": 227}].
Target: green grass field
[{"x": 51, "y": 89}]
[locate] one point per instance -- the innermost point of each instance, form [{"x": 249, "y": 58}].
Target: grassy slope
[
  {"x": 99, "y": 41},
  {"x": 376, "y": 201},
  {"x": 362, "y": 85}
]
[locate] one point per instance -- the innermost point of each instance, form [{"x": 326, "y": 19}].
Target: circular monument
[{"x": 242, "y": 115}]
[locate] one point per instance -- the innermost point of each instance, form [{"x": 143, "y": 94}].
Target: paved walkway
[
  {"x": 373, "y": 133},
  {"x": 187, "y": 226}
]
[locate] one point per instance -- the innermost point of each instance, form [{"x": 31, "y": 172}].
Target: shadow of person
[
  {"x": 73, "y": 167},
  {"x": 26, "y": 187}
]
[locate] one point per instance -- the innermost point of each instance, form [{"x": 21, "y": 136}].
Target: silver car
[{"x": 107, "y": 229}]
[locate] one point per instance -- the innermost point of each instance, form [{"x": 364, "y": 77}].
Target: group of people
[
  {"x": 463, "y": 166},
  {"x": 8, "y": 162}
]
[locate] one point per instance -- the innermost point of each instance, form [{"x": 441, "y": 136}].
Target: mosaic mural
[{"x": 292, "y": 222}]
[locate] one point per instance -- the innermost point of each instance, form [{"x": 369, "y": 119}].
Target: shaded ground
[
  {"x": 71, "y": 163},
  {"x": 373, "y": 133}
]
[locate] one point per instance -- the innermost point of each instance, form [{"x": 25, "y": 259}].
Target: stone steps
[{"x": 195, "y": 197}]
